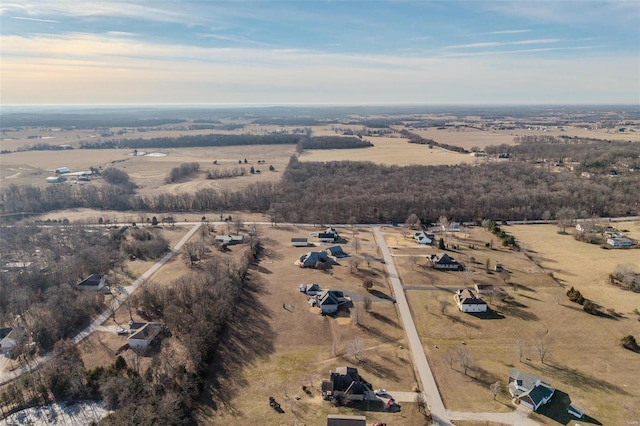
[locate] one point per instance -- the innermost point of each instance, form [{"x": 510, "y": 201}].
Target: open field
[
  {"x": 468, "y": 138},
  {"x": 585, "y": 358},
  {"x": 306, "y": 345},
  {"x": 149, "y": 173},
  {"x": 390, "y": 151}
]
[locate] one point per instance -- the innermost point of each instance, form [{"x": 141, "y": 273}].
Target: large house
[
  {"x": 336, "y": 251},
  {"x": 145, "y": 335},
  {"x": 445, "y": 262},
  {"x": 345, "y": 383},
  {"x": 468, "y": 302},
  {"x": 94, "y": 282},
  {"x": 329, "y": 300},
  {"x": 529, "y": 389},
  {"x": 313, "y": 258}
]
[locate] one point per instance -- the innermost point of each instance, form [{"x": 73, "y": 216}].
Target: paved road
[
  {"x": 516, "y": 418},
  {"x": 115, "y": 304},
  {"x": 432, "y": 395}
]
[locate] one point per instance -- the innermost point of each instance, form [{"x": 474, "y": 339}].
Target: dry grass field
[
  {"x": 391, "y": 151},
  {"x": 585, "y": 360},
  {"x": 306, "y": 346}
]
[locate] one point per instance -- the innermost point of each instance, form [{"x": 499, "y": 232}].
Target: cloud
[
  {"x": 504, "y": 43},
  {"x": 22, "y": 18},
  {"x": 504, "y": 32}
]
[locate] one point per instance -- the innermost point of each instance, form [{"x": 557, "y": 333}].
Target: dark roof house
[
  {"x": 93, "y": 282},
  {"x": 444, "y": 261},
  {"x": 336, "y": 251},
  {"x": 345, "y": 382}
]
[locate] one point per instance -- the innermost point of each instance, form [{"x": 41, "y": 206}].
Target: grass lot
[
  {"x": 586, "y": 361},
  {"x": 304, "y": 346}
]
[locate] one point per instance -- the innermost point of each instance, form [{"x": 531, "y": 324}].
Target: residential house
[
  {"x": 529, "y": 390},
  {"x": 344, "y": 420},
  {"x": 468, "y": 302},
  {"x": 345, "y": 383},
  {"x": 94, "y": 282},
  {"x": 299, "y": 242},
  {"x": 483, "y": 289},
  {"x": 336, "y": 251},
  {"x": 17, "y": 266},
  {"x": 330, "y": 235},
  {"x": 619, "y": 242},
  {"x": 584, "y": 228},
  {"x": 142, "y": 338},
  {"x": 445, "y": 262},
  {"x": 310, "y": 289},
  {"x": 329, "y": 301},
  {"x": 312, "y": 258},
  {"x": 229, "y": 239},
  {"x": 9, "y": 339},
  {"x": 423, "y": 238}
]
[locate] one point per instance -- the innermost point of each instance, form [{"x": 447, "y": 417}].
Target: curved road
[
  {"x": 439, "y": 414},
  {"x": 113, "y": 306}
]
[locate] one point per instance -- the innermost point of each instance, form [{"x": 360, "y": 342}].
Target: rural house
[
  {"x": 344, "y": 420},
  {"x": 299, "y": 242},
  {"x": 529, "y": 390},
  {"x": 94, "y": 282},
  {"x": 336, "y": 251},
  {"x": 229, "y": 239},
  {"x": 330, "y": 235},
  {"x": 345, "y": 383},
  {"x": 313, "y": 258},
  {"x": 329, "y": 300},
  {"x": 310, "y": 289},
  {"x": 619, "y": 242},
  {"x": 468, "y": 302},
  {"x": 422, "y": 238},
  {"x": 445, "y": 262},
  {"x": 142, "y": 338}
]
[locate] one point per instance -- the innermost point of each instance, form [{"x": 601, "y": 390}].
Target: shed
[
  {"x": 344, "y": 420},
  {"x": 299, "y": 242}
]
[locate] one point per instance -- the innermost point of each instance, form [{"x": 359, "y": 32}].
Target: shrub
[
  {"x": 629, "y": 342},
  {"x": 575, "y": 296},
  {"x": 591, "y": 307}
]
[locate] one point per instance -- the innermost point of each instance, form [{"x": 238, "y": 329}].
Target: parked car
[{"x": 122, "y": 332}]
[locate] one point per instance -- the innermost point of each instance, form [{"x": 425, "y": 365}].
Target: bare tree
[
  {"x": 238, "y": 224},
  {"x": 356, "y": 244},
  {"x": 367, "y": 259},
  {"x": 444, "y": 304},
  {"x": 421, "y": 405},
  {"x": 505, "y": 275},
  {"x": 566, "y": 217},
  {"x": 190, "y": 253},
  {"x": 520, "y": 348},
  {"x": 355, "y": 348},
  {"x": 354, "y": 262},
  {"x": 356, "y": 314},
  {"x": 414, "y": 261},
  {"x": 463, "y": 355},
  {"x": 450, "y": 356},
  {"x": 495, "y": 389},
  {"x": 367, "y": 302},
  {"x": 543, "y": 347},
  {"x": 413, "y": 222}
]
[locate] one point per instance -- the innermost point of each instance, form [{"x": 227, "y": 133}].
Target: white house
[
  {"x": 619, "y": 242},
  {"x": 229, "y": 239},
  {"x": 530, "y": 390},
  {"x": 468, "y": 302},
  {"x": 423, "y": 238},
  {"x": 299, "y": 242},
  {"x": 145, "y": 335}
]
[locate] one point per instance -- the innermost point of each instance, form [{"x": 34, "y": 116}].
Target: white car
[{"x": 381, "y": 392}]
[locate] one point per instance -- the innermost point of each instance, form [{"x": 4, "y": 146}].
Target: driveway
[{"x": 429, "y": 387}]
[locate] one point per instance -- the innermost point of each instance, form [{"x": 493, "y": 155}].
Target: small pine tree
[
  {"x": 252, "y": 171},
  {"x": 272, "y": 169},
  {"x": 441, "y": 245}
]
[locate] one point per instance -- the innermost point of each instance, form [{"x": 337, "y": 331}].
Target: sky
[{"x": 319, "y": 52}]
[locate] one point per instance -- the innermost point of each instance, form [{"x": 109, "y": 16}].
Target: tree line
[
  {"x": 332, "y": 142},
  {"x": 415, "y": 138},
  {"x": 191, "y": 141}
]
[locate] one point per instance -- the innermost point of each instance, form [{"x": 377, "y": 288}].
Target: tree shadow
[
  {"x": 464, "y": 322},
  {"x": 579, "y": 379},
  {"x": 378, "y": 369},
  {"x": 385, "y": 319},
  {"x": 381, "y": 295},
  {"x": 379, "y": 334},
  {"x": 247, "y": 339}
]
